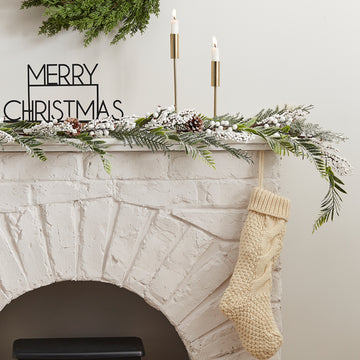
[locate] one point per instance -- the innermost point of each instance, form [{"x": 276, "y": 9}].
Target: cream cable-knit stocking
[{"x": 247, "y": 301}]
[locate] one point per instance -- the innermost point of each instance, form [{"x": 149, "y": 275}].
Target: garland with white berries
[{"x": 284, "y": 129}]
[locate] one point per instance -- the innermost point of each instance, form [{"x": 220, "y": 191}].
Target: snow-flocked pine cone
[
  {"x": 75, "y": 124},
  {"x": 195, "y": 124}
]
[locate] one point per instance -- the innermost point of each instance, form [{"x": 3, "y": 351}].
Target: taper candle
[
  {"x": 174, "y": 23},
  {"x": 174, "y": 50},
  {"x": 215, "y": 54}
]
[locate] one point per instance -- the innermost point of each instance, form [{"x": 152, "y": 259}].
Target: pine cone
[
  {"x": 195, "y": 124},
  {"x": 75, "y": 123}
]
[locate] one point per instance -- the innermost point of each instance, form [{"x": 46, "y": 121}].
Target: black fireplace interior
[{"x": 88, "y": 310}]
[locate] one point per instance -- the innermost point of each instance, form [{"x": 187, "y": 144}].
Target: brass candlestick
[
  {"x": 174, "y": 54},
  {"x": 215, "y": 81}
]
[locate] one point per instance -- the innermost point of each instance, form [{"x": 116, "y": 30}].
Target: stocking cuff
[{"x": 266, "y": 202}]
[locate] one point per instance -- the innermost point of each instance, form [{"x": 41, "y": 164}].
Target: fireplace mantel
[
  {"x": 164, "y": 227},
  {"x": 114, "y": 145}
]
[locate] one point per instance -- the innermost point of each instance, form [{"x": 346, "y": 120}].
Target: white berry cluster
[
  {"x": 50, "y": 129},
  {"x": 235, "y": 136},
  {"x": 283, "y": 119},
  {"x": 339, "y": 164},
  {"x": 5, "y": 138},
  {"x": 223, "y": 130},
  {"x": 331, "y": 156},
  {"x": 102, "y": 127},
  {"x": 168, "y": 118}
]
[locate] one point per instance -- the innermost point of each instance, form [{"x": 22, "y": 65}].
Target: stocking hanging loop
[{"x": 261, "y": 168}]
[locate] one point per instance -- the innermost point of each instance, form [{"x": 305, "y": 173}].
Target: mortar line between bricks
[
  {"x": 40, "y": 212},
  {"x": 132, "y": 180},
  {"x": 15, "y": 250},
  {"x": 225, "y": 356},
  {"x": 221, "y": 326},
  {"x": 202, "y": 303},
  {"x": 167, "y": 256},
  {"x": 202, "y": 229},
  {"x": 138, "y": 205},
  {"x": 110, "y": 235},
  {"x": 140, "y": 239},
  {"x": 78, "y": 246},
  {"x": 3, "y": 291}
]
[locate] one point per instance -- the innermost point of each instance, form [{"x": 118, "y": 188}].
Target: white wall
[{"x": 279, "y": 51}]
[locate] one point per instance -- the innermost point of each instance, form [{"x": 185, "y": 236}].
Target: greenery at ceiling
[{"x": 93, "y": 17}]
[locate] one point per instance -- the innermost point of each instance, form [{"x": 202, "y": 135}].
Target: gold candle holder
[
  {"x": 215, "y": 81},
  {"x": 174, "y": 55}
]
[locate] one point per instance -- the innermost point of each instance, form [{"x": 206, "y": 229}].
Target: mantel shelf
[{"x": 115, "y": 146}]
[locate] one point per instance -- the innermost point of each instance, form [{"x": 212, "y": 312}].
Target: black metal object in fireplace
[{"x": 122, "y": 348}]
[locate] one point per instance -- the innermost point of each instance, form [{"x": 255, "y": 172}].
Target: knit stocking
[{"x": 247, "y": 301}]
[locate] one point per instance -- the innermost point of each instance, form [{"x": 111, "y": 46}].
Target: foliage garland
[
  {"x": 92, "y": 17},
  {"x": 284, "y": 129}
]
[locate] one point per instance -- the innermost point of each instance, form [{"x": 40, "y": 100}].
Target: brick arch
[{"x": 177, "y": 267}]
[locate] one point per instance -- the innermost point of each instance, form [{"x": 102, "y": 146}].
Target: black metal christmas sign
[{"x": 56, "y": 92}]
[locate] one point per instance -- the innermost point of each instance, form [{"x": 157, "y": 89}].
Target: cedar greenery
[
  {"x": 304, "y": 140},
  {"x": 92, "y": 17}
]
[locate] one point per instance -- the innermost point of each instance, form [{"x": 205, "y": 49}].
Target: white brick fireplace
[{"x": 165, "y": 228}]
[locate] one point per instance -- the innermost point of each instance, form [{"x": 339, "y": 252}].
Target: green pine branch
[
  {"x": 193, "y": 146},
  {"x": 93, "y": 17},
  {"x": 331, "y": 203},
  {"x": 154, "y": 140}
]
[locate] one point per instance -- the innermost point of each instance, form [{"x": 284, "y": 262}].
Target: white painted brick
[
  {"x": 225, "y": 193},
  {"x": 47, "y": 192},
  {"x": 205, "y": 317},
  {"x": 222, "y": 341},
  {"x": 59, "y": 166},
  {"x": 4, "y": 300},
  {"x": 163, "y": 234},
  {"x": 182, "y": 166},
  {"x": 157, "y": 193},
  {"x": 223, "y": 223},
  {"x": 56, "y": 191},
  {"x": 276, "y": 307},
  {"x": 214, "y": 267},
  {"x": 94, "y": 217},
  {"x": 128, "y": 165},
  {"x": 276, "y": 287},
  {"x": 180, "y": 262},
  {"x": 271, "y": 164},
  {"x": 12, "y": 278},
  {"x": 28, "y": 236},
  {"x": 128, "y": 232},
  {"x": 60, "y": 230},
  {"x": 13, "y": 196}
]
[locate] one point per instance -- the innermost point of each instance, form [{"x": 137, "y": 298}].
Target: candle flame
[
  {"x": 214, "y": 41},
  {"x": 174, "y": 14}
]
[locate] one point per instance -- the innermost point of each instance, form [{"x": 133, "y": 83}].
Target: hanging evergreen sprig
[{"x": 92, "y": 17}]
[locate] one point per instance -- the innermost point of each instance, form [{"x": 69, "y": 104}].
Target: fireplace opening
[{"x": 88, "y": 309}]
